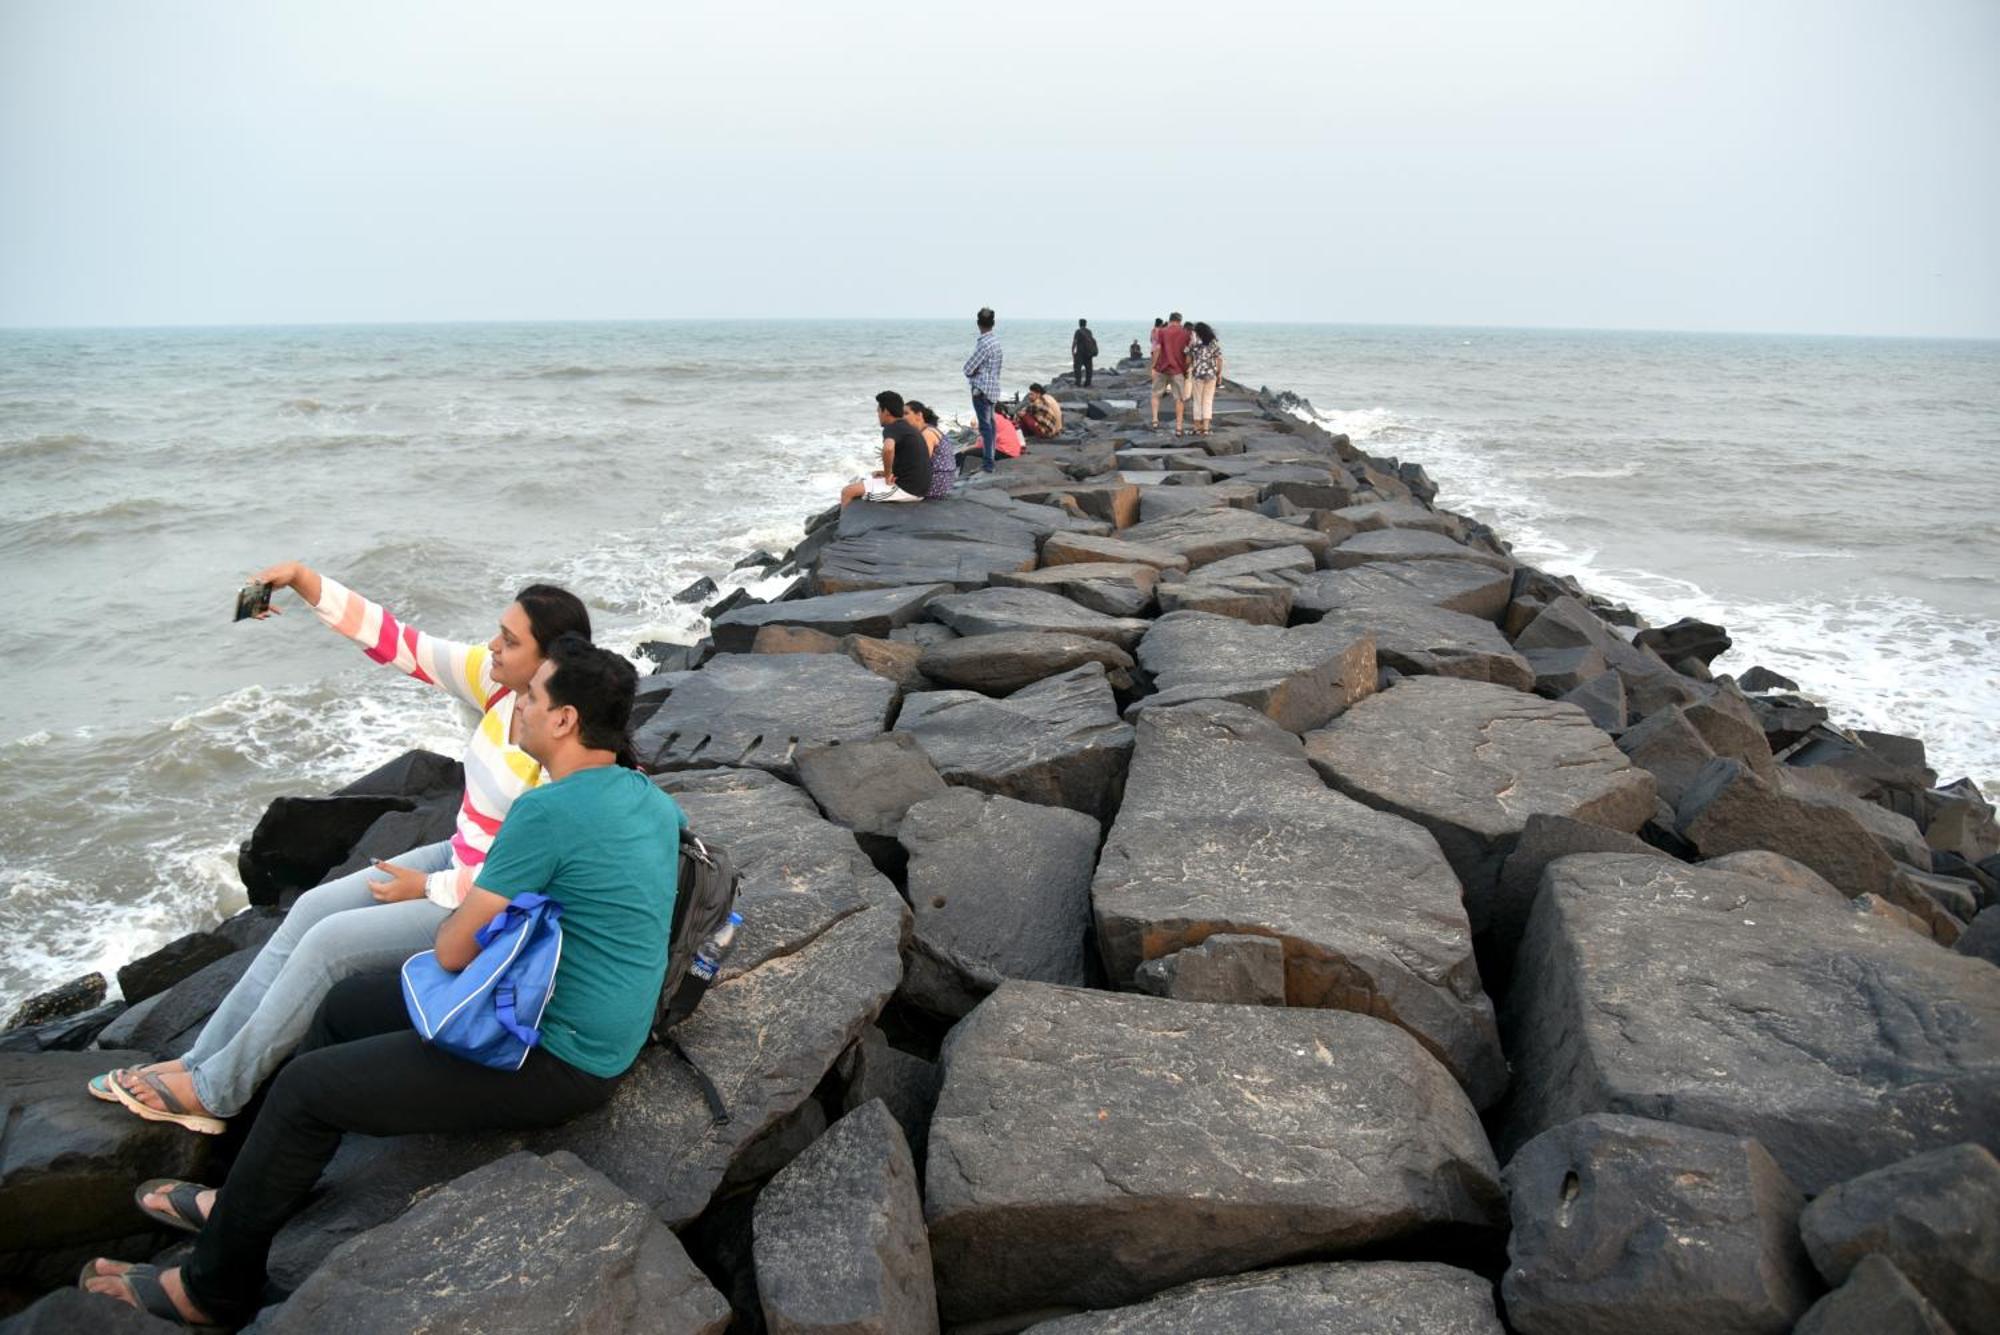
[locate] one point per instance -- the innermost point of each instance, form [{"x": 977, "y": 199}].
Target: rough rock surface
[
  {"x": 1936, "y": 1216},
  {"x": 1299, "y": 677},
  {"x": 1005, "y": 662},
  {"x": 1074, "y": 548},
  {"x": 1420, "y": 640},
  {"x": 1115, "y": 588},
  {"x": 1467, "y": 586},
  {"x": 524, "y": 1243},
  {"x": 987, "y": 611},
  {"x": 1332, "y": 1298},
  {"x": 840, "y": 1236},
  {"x": 1471, "y": 761},
  {"x": 1225, "y": 828},
  {"x": 756, "y": 710},
  {"x": 1727, "y": 808},
  {"x": 1058, "y": 742},
  {"x": 1543, "y": 839},
  {"x": 1627, "y": 1224},
  {"x": 866, "y": 786},
  {"x": 905, "y": 1083},
  {"x": 959, "y": 540},
  {"x": 999, "y": 889},
  {"x": 1092, "y": 1148},
  {"x": 1745, "y": 1005},
  {"x": 873, "y": 612},
  {"x": 169, "y": 1023},
  {"x": 73, "y": 1312},
  {"x": 1875, "y": 1300},
  {"x": 1404, "y": 544},
  {"x": 1209, "y": 535},
  {"x": 1246, "y": 598},
  {"x": 1225, "y": 968}
]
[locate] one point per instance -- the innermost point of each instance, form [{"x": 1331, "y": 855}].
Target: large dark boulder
[
  {"x": 1981, "y": 939},
  {"x": 866, "y": 786},
  {"x": 1936, "y": 1216},
  {"x": 1626, "y": 1226},
  {"x": 1058, "y": 742},
  {"x": 1686, "y": 638},
  {"x": 987, "y": 611},
  {"x": 1544, "y": 838},
  {"x": 1209, "y": 535},
  {"x": 873, "y": 612},
  {"x": 1002, "y": 663},
  {"x": 1225, "y": 828},
  {"x": 1471, "y": 761},
  {"x": 999, "y": 889},
  {"x": 298, "y": 840},
  {"x": 759, "y": 710},
  {"x": 1157, "y": 503},
  {"x": 1299, "y": 677},
  {"x": 1457, "y": 585},
  {"x": 74, "y": 997},
  {"x": 1402, "y": 514},
  {"x": 182, "y": 957},
  {"x": 1227, "y": 969},
  {"x": 1081, "y": 548},
  {"x": 1114, "y": 588},
  {"x": 1253, "y": 599},
  {"x": 1875, "y": 1300},
  {"x": 1742, "y": 1004},
  {"x": 394, "y": 833},
  {"x": 1726, "y": 807},
  {"x": 1650, "y": 684},
  {"x": 906, "y": 1083},
  {"x": 953, "y": 541},
  {"x": 1329, "y": 1298},
  {"x": 1092, "y": 1148},
  {"x": 840, "y": 1241},
  {"x": 1420, "y": 640},
  {"x": 524, "y": 1243},
  {"x": 168, "y": 1024},
  {"x": 1405, "y": 544},
  {"x": 68, "y": 1162},
  {"x": 73, "y": 1312},
  {"x": 414, "y": 774}
]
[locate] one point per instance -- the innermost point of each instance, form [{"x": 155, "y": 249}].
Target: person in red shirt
[{"x": 1170, "y": 365}]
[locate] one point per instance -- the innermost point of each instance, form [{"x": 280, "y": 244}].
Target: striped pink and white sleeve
[{"x": 462, "y": 670}]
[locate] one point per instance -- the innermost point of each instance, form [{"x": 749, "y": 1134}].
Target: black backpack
[{"x": 704, "y": 897}]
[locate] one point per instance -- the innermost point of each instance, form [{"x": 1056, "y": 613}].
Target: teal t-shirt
[{"x": 605, "y": 844}]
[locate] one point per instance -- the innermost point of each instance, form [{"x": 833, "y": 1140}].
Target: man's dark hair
[
  {"x": 1174, "y": 315},
  {"x": 598, "y": 684},
  {"x": 553, "y": 612},
  {"x": 1159, "y": 324},
  {"x": 985, "y": 318},
  {"x": 890, "y": 402},
  {"x": 1036, "y": 389},
  {"x": 1083, "y": 324}
]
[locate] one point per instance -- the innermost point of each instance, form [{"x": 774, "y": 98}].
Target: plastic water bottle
[{"x": 708, "y": 956}]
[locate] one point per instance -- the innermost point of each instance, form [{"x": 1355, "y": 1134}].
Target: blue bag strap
[
  {"x": 503, "y": 1010},
  {"x": 519, "y": 907}
]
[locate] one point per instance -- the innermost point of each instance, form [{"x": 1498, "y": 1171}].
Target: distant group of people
[
  {"x": 555, "y": 806},
  {"x": 1187, "y": 363}
]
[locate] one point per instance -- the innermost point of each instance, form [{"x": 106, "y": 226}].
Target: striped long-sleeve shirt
[{"x": 496, "y": 771}]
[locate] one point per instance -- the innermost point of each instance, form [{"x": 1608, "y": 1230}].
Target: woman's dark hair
[
  {"x": 921, "y": 410},
  {"x": 1203, "y": 332},
  {"x": 1159, "y": 324},
  {"x": 598, "y": 685},
  {"x": 553, "y": 613}
]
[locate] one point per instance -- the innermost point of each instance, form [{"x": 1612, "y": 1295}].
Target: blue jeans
[
  {"x": 333, "y": 931},
  {"x": 982, "y": 408}
]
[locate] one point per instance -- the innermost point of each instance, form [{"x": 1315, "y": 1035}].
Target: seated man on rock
[
  {"x": 905, "y": 474},
  {"x": 599, "y": 839},
  {"x": 1041, "y": 415}
]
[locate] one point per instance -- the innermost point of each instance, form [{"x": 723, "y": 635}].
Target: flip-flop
[
  {"x": 100, "y": 1085},
  {"x": 183, "y": 1203},
  {"x": 175, "y": 1112},
  {"x": 148, "y": 1295}
]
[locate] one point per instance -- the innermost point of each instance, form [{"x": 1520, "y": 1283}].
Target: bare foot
[
  {"x": 179, "y": 1083},
  {"x": 108, "y": 1278}
]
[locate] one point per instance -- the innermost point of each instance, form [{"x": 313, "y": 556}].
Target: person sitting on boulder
[
  {"x": 1006, "y": 435},
  {"x": 905, "y": 474},
  {"x": 1136, "y": 353},
  {"x": 599, "y": 839},
  {"x": 383, "y": 914},
  {"x": 944, "y": 464},
  {"x": 1041, "y": 415}
]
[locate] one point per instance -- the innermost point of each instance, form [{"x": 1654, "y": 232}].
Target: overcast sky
[{"x": 1783, "y": 165}]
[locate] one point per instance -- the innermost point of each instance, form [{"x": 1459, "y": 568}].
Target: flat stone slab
[
  {"x": 1156, "y": 503},
  {"x": 458, "y": 1261},
  {"x": 1078, "y": 548},
  {"x": 758, "y": 710},
  {"x": 1624, "y": 1223},
  {"x": 1115, "y": 588},
  {"x": 1401, "y": 514},
  {"x": 1471, "y": 761},
  {"x": 1203, "y": 536},
  {"x": 1404, "y": 544},
  {"x": 989, "y": 611},
  {"x": 1058, "y": 742},
  {"x": 1726, "y": 808},
  {"x": 1004, "y": 662},
  {"x": 1419, "y": 640},
  {"x": 1251, "y": 598},
  {"x": 1471, "y": 587},
  {"x": 873, "y": 612},
  {"x": 1333, "y": 1298},
  {"x": 1000, "y": 889},
  {"x": 1262, "y": 564},
  {"x": 1300, "y": 677},
  {"x": 1092, "y": 1148},
  {"x": 1226, "y": 829},
  {"x": 867, "y": 786},
  {"x": 958, "y": 540},
  {"x": 1705, "y": 997},
  {"x": 840, "y": 1242}
]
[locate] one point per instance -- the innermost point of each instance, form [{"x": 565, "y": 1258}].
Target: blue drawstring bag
[{"x": 490, "y": 1011}]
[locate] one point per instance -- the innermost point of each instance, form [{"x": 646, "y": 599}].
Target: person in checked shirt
[{"x": 982, "y": 374}]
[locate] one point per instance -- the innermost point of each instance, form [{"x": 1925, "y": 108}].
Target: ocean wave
[
  {"x": 58, "y": 445},
  {"x": 71, "y": 528},
  {"x": 310, "y": 407}
]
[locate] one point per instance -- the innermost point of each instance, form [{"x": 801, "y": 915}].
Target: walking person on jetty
[
  {"x": 1205, "y": 366},
  {"x": 982, "y": 374},
  {"x": 944, "y": 463},
  {"x": 378, "y": 917},
  {"x": 1082, "y": 353},
  {"x": 1153, "y": 367},
  {"x": 905, "y": 474},
  {"x": 599, "y": 839},
  {"x": 1170, "y": 367}
]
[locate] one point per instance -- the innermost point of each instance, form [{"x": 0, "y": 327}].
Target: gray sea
[{"x": 1833, "y": 501}]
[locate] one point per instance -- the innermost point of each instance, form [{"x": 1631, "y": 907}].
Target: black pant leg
[
  {"x": 1088, "y": 373},
  {"x": 362, "y": 1069}
]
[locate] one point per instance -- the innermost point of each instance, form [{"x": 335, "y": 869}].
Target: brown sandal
[{"x": 175, "y": 1111}]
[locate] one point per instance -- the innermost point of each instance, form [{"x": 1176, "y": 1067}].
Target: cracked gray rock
[
  {"x": 1407, "y": 544},
  {"x": 872, "y": 612},
  {"x": 1114, "y": 588},
  {"x": 1203, "y": 536},
  {"x": 1876, "y": 1300},
  {"x": 1299, "y": 677},
  {"x": 1226, "y": 829},
  {"x": 1002, "y": 663},
  {"x": 1420, "y": 640},
  {"x": 986, "y": 611},
  {"x": 759, "y": 710},
  {"x": 1332, "y": 1298},
  {"x": 1740, "y": 1004},
  {"x": 1457, "y": 585},
  {"x": 1092, "y": 1148}
]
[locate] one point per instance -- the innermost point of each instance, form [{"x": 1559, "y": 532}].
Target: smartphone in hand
[{"x": 252, "y": 600}]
